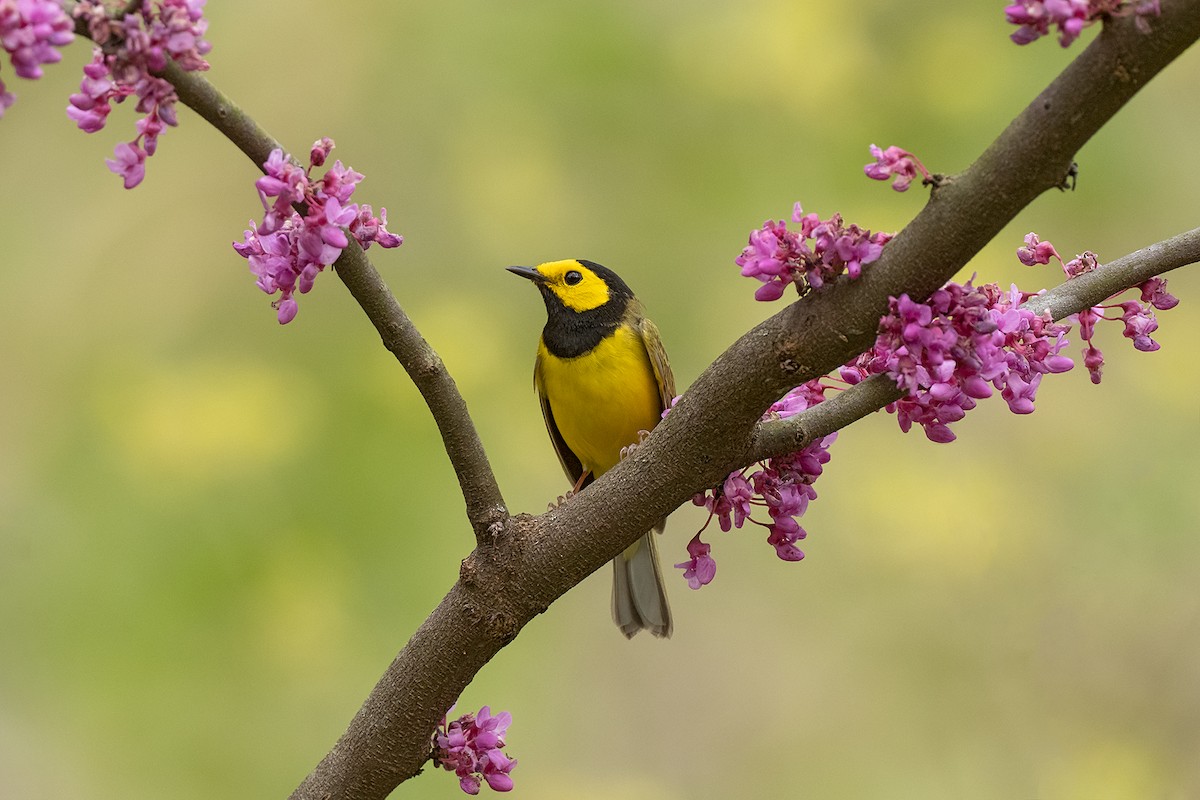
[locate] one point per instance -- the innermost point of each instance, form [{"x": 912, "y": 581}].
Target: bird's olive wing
[
  {"x": 658, "y": 360},
  {"x": 570, "y": 462}
]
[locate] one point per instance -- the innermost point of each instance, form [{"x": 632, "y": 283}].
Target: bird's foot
[
  {"x": 628, "y": 449},
  {"x": 562, "y": 499}
]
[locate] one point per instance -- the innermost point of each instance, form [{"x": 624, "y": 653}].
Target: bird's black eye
[{"x": 573, "y": 277}]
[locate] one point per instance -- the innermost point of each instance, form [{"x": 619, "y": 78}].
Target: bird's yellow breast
[{"x": 601, "y": 399}]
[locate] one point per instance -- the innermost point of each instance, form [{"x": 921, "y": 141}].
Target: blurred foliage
[{"x": 216, "y": 532}]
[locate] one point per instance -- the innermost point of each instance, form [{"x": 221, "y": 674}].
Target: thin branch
[
  {"x": 1093, "y": 288},
  {"x": 785, "y": 436},
  {"x": 484, "y": 502},
  {"x": 781, "y": 437}
]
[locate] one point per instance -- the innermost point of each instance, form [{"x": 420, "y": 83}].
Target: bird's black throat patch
[{"x": 570, "y": 333}]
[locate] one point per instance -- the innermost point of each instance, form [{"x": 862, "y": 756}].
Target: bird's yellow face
[{"x": 577, "y": 286}]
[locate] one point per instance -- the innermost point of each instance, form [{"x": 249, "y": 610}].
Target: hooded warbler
[{"x": 602, "y": 376}]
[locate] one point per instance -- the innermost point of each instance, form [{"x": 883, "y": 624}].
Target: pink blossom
[
  {"x": 320, "y": 151},
  {"x": 288, "y": 250},
  {"x": 700, "y": 569},
  {"x": 129, "y": 163},
  {"x": 950, "y": 351},
  {"x": 1154, "y": 292},
  {"x": 369, "y": 229},
  {"x": 135, "y": 47},
  {"x": 1083, "y": 263},
  {"x": 30, "y": 32},
  {"x": 1139, "y": 324},
  {"x": 738, "y": 493},
  {"x": 1139, "y": 319},
  {"x": 953, "y": 349},
  {"x": 784, "y": 532},
  {"x": 895, "y": 161},
  {"x": 1036, "y": 17},
  {"x": 1035, "y": 251},
  {"x": 339, "y": 181},
  {"x": 783, "y": 485},
  {"x": 470, "y": 747},
  {"x": 779, "y": 257},
  {"x": 1093, "y": 359},
  {"x": 961, "y": 345}
]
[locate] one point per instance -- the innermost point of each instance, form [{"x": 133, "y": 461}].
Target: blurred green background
[{"x": 216, "y": 532}]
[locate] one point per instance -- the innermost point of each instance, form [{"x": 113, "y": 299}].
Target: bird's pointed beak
[{"x": 527, "y": 272}]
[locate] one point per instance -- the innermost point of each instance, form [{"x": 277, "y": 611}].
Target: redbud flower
[
  {"x": 287, "y": 251},
  {"x": 135, "y": 47},
  {"x": 320, "y": 151},
  {"x": 1035, "y": 17},
  {"x": 895, "y": 161},
  {"x": 1139, "y": 320},
  {"x": 470, "y": 748},
  {"x": 950, "y": 351},
  {"x": 957, "y": 347},
  {"x": 1093, "y": 359},
  {"x": 700, "y": 569},
  {"x": 1139, "y": 324},
  {"x": 129, "y": 163},
  {"x": 783, "y": 533},
  {"x": 1035, "y": 251},
  {"x": 783, "y": 485},
  {"x": 779, "y": 257},
  {"x": 1154, "y": 292},
  {"x": 30, "y": 32},
  {"x": 1080, "y": 264}
]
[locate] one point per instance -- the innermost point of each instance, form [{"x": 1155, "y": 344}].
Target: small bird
[{"x": 602, "y": 376}]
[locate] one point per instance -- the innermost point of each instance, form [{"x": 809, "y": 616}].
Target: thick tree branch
[
  {"x": 485, "y": 504},
  {"x": 778, "y": 438},
  {"x": 533, "y": 561}
]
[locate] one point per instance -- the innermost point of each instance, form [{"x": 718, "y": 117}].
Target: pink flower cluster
[
  {"x": 779, "y": 257},
  {"x": 784, "y": 486},
  {"x": 470, "y": 748},
  {"x": 1035, "y": 17},
  {"x": 30, "y": 30},
  {"x": 951, "y": 350},
  {"x": 946, "y": 354},
  {"x": 131, "y": 50},
  {"x": 1138, "y": 317},
  {"x": 288, "y": 250},
  {"x": 895, "y": 161}
]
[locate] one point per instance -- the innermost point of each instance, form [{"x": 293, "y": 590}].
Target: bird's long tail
[{"x": 638, "y": 598}]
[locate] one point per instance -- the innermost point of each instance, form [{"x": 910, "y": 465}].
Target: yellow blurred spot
[
  {"x": 459, "y": 327},
  {"x": 1113, "y": 770},
  {"x": 949, "y": 535},
  {"x": 299, "y": 613},
  {"x": 494, "y": 179},
  {"x": 970, "y": 88},
  {"x": 766, "y": 42},
  {"x": 199, "y": 421},
  {"x": 604, "y": 786}
]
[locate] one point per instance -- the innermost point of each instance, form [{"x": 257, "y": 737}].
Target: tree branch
[
  {"x": 484, "y": 502},
  {"x": 781, "y": 437}
]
